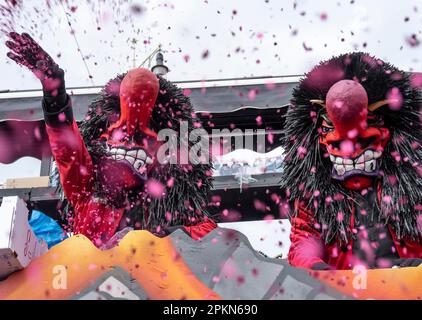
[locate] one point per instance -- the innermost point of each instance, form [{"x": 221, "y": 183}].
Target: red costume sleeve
[
  {"x": 307, "y": 247},
  {"x": 73, "y": 162},
  {"x": 93, "y": 219}
]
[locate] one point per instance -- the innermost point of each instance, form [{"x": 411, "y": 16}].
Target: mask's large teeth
[
  {"x": 137, "y": 158},
  {"x": 138, "y": 164},
  {"x": 130, "y": 160},
  {"x": 132, "y": 153},
  {"x": 365, "y": 162},
  {"x": 361, "y": 159},
  {"x": 360, "y": 166},
  {"x": 141, "y": 154},
  {"x": 340, "y": 169},
  {"x": 368, "y": 155},
  {"x": 370, "y": 165},
  {"x": 349, "y": 167}
]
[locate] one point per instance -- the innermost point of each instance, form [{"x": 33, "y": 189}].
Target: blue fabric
[{"x": 46, "y": 228}]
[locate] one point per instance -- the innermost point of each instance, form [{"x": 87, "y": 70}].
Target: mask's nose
[
  {"x": 347, "y": 108},
  {"x": 138, "y": 93}
]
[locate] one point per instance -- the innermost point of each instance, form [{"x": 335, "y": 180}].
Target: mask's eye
[
  {"x": 326, "y": 129},
  {"x": 326, "y": 125}
]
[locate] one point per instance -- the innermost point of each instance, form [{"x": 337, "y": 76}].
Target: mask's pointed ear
[
  {"x": 320, "y": 102},
  {"x": 374, "y": 106}
]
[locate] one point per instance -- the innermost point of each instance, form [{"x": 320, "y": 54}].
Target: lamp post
[{"x": 160, "y": 69}]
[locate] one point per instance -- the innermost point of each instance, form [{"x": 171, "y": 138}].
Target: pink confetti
[
  {"x": 284, "y": 210},
  {"x": 62, "y": 117},
  {"x": 186, "y": 57},
  {"x": 137, "y": 9},
  {"x": 187, "y": 92},
  {"x": 416, "y": 80},
  {"x": 170, "y": 182},
  {"x": 155, "y": 188},
  {"x": 301, "y": 152},
  {"x": 270, "y": 138},
  {"x": 37, "y": 133},
  {"x": 259, "y": 205},
  {"x": 386, "y": 199},
  {"x": 252, "y": 94},
  {"x": 307, "y": 48},
  {"x": 270, "y": 85},
  {"x": 205, "y": 54},
  {"x": 352, "y": 133},
  {"x": 413, "y": 41},
  {"x": 419, "y": 221},
  {"x": 395, "y": 99},
  {"x": 117, "y": 135},
  {"x": 230, "y": 215},
  {"x": 92, "y": 266},
  {"x": 347, "y": 146},
  {"x": 240, "y": 279}
]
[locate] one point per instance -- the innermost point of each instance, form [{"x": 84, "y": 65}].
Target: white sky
[{"x": 235, "y": 41}]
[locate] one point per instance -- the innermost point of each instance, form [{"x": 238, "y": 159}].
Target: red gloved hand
[{"x": 28, "y": 53}]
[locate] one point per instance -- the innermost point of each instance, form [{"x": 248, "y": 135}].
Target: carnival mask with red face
[
  {"x": 354, "y": 136},
  {"x": 131, "y": 145}
]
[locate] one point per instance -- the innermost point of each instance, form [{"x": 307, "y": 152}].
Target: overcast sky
[{"x": 208, "y": 39}]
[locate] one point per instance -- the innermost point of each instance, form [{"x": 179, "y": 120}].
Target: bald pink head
[{"x": 347, "y": 107}]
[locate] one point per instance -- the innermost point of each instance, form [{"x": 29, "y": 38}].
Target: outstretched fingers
[
  {"x": 14, "y": 36},
  {"x": 28, "y": 39},
  {"x": 27, "y": 52},
  {"x": 13, "y": 46},
  {"x": 18, "y": 39},
  {"x": 19, "y": 60}
]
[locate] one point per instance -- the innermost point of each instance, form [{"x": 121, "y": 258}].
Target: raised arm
[{"x": 69, "y": 151}]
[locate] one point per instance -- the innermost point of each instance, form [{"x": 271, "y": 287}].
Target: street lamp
[{"x": 160, "y": 69}]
